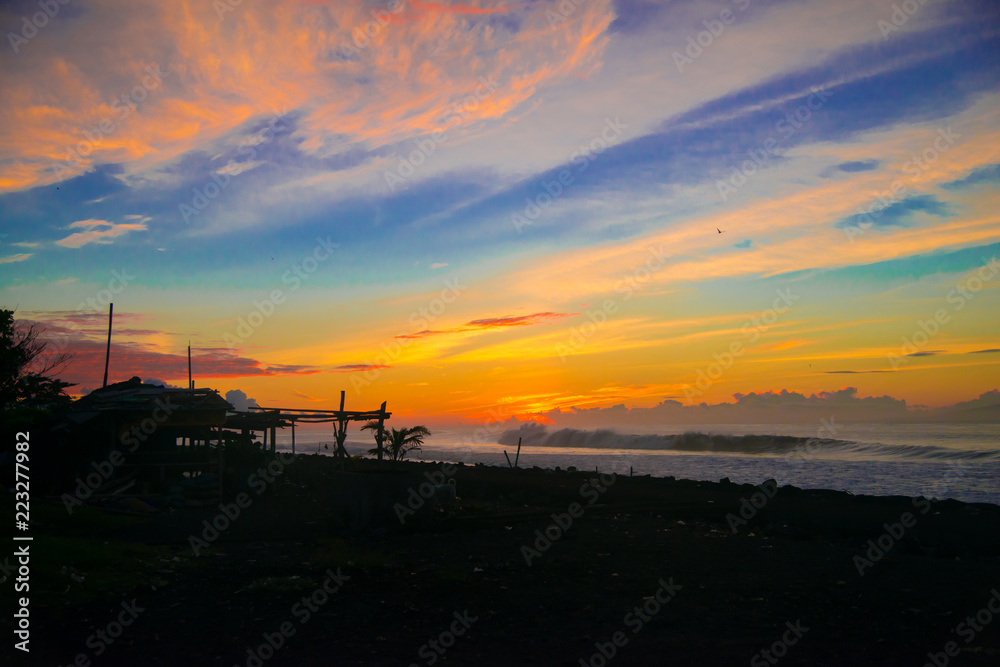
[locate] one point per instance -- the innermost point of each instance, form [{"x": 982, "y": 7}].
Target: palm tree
[{"x": 397, "y": 442}]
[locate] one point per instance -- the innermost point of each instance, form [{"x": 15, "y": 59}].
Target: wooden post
[
  {"x": 341, "y": 431},
  {"x": 381, "y": 429},
  {"x": 190, "y": 381},
  {"x": 222, "y": 473},
  {"x": 518, "y": 457},
  {"x": 293, "y": 437},
  {"x": 342, "y": 426},
  {"x": 107, "y": 355},
  {"x": 274, "y": 435}
]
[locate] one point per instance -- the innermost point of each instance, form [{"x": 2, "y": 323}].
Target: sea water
[{"x": 960, "y": 461}]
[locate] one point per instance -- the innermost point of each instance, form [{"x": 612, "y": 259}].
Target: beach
[{"x": 534, "y": 567}]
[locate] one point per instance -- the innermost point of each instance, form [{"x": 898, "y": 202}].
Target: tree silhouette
[
  {"x": 26, "y": 388},
  {"x": 397, "y": 442}
]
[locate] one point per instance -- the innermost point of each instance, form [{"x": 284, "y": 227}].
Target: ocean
[{"x": 960, "y": 461}]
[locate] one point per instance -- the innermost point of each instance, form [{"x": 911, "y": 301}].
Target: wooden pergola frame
[{"x": 339, "y": 417}]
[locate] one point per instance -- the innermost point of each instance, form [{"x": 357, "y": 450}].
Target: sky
[{"x": 469, "y": 207}]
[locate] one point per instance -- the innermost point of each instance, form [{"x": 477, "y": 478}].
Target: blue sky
[{"x": 534, "y": 154}]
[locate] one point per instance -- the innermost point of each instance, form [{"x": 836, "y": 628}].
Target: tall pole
[
  {"x": 190, "y": 381},
  {"x": 107, "y": 355}
]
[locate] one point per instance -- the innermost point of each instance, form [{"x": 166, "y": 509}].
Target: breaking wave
[{"x": 536, "y": 435}]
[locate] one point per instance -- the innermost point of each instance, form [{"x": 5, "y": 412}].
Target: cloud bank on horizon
[{"x": 540, "y": 205}]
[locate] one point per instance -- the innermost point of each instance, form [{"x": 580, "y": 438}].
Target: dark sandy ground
[{"x": 652, "y": 563}]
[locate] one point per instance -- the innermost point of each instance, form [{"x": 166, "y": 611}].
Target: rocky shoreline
[{"x": 542, "y": 567}]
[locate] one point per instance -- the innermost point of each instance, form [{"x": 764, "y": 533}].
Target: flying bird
[{"x": 718, "y": 230}]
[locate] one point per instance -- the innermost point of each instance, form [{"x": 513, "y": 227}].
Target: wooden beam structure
[{"x": 265, "y": 418}]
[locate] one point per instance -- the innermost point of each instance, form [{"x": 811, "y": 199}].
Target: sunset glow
[{"x": 471, "y": 206}]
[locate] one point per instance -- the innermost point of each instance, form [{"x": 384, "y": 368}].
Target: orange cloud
[
  {"x": 97, "y": 231},
  {"x": 493, "y": 323},
  {"x": 20, "y": 257},
  {"x": 400, "y": 82},
  {"x": 522, "y": 320}
]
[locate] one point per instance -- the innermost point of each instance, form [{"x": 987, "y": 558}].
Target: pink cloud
[
  {"x": 86, "y": 368},
  {"x": 494, "y": 323},
  {"x": 522, "y": 320},
  {"x": 457, "y": 8},
  {"x": 359, "y": 368},
  {"x": 221, "y": 74}
]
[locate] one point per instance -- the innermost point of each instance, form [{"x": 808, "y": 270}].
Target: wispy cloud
[
  {"x": 855, "y": 372},
  {"x": 493, "y": 323},
  {"x": 517, "y": 321},
  {"x": 899, "y": 214},
  {"x": 358, "y": 368},
  {"x": 10, "y": 259},
  {"x": 858, "y": 165},
  {"x": 98, "y": 231},
  {"x": 988, "y": 175}
]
